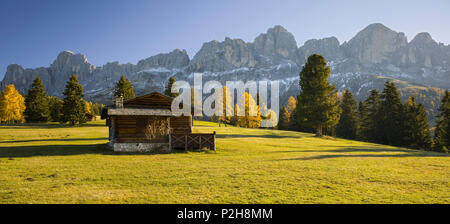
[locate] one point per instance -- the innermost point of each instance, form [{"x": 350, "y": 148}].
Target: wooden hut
[{"x": 146, "y": 124}]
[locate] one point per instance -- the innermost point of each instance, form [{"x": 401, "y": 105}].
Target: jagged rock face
[
  {"x": 277, "y": 42},
  {"x": 68, "y": 63},
  {"x": 327, "y": 47},
  {"x": 22, "y": 78},
  {"x": 357, "y": 66},
  {"x": 374, "y": 44},
  {"x": 217, "y": 56},
  {"x": 422, "y": 51},
  {"x": 175, "y": 59}
]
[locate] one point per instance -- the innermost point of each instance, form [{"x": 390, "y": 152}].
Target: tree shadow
[
  {"x": 392, "y": 153},
  {"x": 70, "y": 150},
  {"x": 256, "y": 136},
  {"x": 369, "y": 156},
  {"x": 345, "y": 149},
  {"x": 53, "y": 150},
  {"x": 55, "y": 140},
  {"x": 49, "y": 125}
]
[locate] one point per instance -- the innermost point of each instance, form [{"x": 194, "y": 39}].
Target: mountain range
[{"x": 420, "y": 67}]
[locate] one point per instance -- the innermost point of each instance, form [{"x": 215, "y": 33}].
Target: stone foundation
[{"x": 141, "y": 147}]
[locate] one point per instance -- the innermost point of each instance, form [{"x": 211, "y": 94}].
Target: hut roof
[{"x": 139, "y": 112}]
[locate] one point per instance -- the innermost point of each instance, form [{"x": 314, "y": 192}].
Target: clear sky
[{"x": 32, "y": 33}]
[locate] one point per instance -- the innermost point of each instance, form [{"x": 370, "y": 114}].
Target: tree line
[
  {"x": 381, "y": 118},
  {"x": 37, "y": 106}
]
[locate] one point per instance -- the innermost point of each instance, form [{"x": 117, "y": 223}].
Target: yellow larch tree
[{"x": 12, "y": 105}]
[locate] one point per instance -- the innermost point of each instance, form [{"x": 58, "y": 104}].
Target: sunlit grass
[{"x": 50, "y": 163}]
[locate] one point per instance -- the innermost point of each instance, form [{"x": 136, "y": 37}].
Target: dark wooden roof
[{"x": 152, "y": 100}]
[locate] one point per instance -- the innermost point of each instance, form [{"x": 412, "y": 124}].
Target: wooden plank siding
[
  {"x": 148, "y": 119},
  {"x": 132, "y": 128}
]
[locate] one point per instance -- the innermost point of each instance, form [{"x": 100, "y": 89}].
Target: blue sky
[{"x": 32, "y": 33}]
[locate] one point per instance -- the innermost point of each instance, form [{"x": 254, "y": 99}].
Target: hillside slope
[{"x": 58, "y": 164}]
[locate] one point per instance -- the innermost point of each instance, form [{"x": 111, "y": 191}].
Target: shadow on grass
[
  {"x": 49, "y": 125},
  {"x": 374, "y": 151},
  {"x": 369, "y": 156},
  {"x": 256, "y": 136},
  {"x": 69, "y": 150},
  {"x": 53, "y": 150},
  {"x": 55, "y": 140},
  {"x": 345, "y": 149}
]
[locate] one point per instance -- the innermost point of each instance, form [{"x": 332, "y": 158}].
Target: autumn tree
[
  {"x": 286, "y": 114},
  {"x": 227, "y": 116},
  {"x": 318, "y": 105},
  {"x": 124, "y": 88},
  {"x": 252, "y": 115},
  {"x": 284, "y": 119},
  {"x": 12, "y": 105},
  {"x": 36, "y": 103}
]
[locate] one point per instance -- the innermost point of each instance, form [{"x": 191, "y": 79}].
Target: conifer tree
[
  {"x": 284, "y": 119},
  {"x": 348, "y": 122},
  {"x": 363, "y": 117},
  {"x": 36, "y": 102},
  {"x": 441, "y": 141},
  {"x": 12, "y": 105},
  {"x": 168, "y": 91},
  {"x": 370, "y": 125},
  {"x": 389, "y": 117},
  {"x": 416, "y": 127},
  {"x": 317, "y": 102},
  {"x": 74, "y": 107},
  {"x": 55, "y": 105},
  {"x": 124, "y": 88}
]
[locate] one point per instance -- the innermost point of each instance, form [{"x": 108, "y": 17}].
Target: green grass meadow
[{"x": 51, "y": 163}]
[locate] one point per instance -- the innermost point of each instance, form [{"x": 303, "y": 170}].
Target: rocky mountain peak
[
  {"x": 175, "y": 59},
  {"x": 374, "y": 44},
  {"x": 328, "y": 47},
  {"x": 423, "y": 37},
  {"x": 277, "y": 41}
]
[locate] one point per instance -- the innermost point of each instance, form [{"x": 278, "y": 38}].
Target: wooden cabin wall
[
  {"x": 131, "y": 129},
  {"x": 181, "y": 125}
]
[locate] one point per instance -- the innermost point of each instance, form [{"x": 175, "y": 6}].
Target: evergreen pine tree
[
  {"x": 370, "y": 125},
  {"x": 348, "y": 122},
  {"x": 124, "y": 88},
  {"x": 74, "y": 107},
  {"x": 168, "y": 91},
  {"x": 55, "y": 106},
  {"x": 441, "y": 141},
  {"x": 363, "y": 117},
  {"x": 416, "y": 127},
  {"x": 390, "y": 130},
  {"x": 36, "y": 103},
  {"x": 317, "y": 105}
]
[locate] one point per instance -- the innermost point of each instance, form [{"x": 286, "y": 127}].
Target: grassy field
[{"x": 57, "y": 164}]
